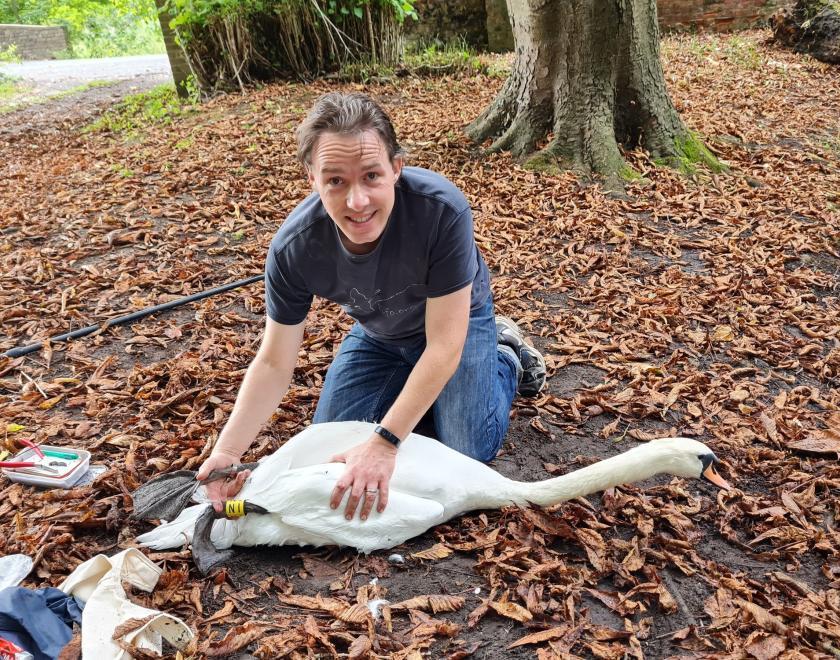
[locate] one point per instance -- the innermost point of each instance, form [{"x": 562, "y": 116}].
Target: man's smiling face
[{"x": 355, "y": 179}]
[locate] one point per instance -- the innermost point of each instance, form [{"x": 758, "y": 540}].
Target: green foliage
[
  {"x": 743, "y": 53},
  {"x": 456, "y": 56},
  {"x": 96, "y": 28},
  {"x": 201, "y": 13},
  {"x": 8, "y": 86},
  {"x": 402, "y": 9},
  {"x": 9, "y": 54},
  {"x": 157, "y": 106},
  {"x": 232, "y": 43},
  {"x": 814, "y": 7},
  {"x": 431, "y": 58},
  {"x": 123, "y": 171}
]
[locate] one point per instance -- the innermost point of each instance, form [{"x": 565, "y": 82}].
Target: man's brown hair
[{"x": 345, "y": 114}]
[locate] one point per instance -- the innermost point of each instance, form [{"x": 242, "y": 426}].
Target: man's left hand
[{"x": 369, "y": 469}]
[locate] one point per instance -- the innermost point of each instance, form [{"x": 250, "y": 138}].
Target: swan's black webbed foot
[{"x": 205, "y": 555}]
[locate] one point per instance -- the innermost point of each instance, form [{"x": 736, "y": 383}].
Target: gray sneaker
[{"x": 533, "y": 364}]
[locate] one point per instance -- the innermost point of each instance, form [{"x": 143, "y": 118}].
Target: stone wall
[
  {"x": 482, "y": 22},
  {"x": 448, "y": 20},
  {"x": 34, "y": 42}
]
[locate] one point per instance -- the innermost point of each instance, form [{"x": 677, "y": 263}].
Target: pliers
[{"x": 33, "y": 446}]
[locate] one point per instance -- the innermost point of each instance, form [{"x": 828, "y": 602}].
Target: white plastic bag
[{"x": 13, "y": 568}]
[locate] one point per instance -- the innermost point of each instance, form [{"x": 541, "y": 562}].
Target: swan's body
[{"x": 431, "y": 484}]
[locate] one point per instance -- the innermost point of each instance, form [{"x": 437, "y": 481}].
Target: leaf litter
[{"x": 704, "y": 306}]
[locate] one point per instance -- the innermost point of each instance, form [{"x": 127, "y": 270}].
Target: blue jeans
[{"x": 471, "y": 413}]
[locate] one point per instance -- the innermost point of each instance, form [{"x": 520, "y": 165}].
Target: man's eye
[
  {"x": 372, "y": 176},
  {"x": 334, "y": 181}
]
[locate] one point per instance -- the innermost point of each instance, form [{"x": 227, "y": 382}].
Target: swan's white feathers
[{"x": 431, "y": 484}]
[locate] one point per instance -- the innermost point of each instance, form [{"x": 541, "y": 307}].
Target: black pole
[{"x": 120, "y": 320}]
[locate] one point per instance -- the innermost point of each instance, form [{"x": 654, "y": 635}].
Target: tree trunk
[
  {"x": 588, "y": 74},
  {"x": 177, "y": 59}
]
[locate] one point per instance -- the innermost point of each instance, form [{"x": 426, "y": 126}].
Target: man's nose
[{"x": 357, "y": 198}]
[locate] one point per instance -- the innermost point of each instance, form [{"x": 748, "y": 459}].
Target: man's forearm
[
  {"x": 263, "y": 387},
  {"x": 425, "y": 382}
]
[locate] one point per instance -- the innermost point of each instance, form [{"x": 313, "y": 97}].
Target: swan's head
[{"x": 686, "y": 457}]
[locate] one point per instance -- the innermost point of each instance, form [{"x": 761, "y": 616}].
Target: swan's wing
[
  {"x": 306, "y": 495},
  {"x": 405, "y": 517}
]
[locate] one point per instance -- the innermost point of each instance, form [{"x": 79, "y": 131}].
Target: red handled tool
[
  {"x": 32, "y": 446},
  {"x": 26, "y": 464}
]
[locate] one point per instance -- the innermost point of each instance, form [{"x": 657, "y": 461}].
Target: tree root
[
  {"x": 522, "y": 135},
  {"x": 494, "y": 119}
]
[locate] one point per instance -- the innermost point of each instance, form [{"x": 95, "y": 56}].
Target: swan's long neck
[{"x": 636, "y": 464}]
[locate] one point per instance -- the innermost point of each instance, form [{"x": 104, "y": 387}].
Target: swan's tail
[{"x": 174, "y": 534}]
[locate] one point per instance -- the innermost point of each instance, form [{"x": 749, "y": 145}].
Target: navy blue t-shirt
[{"x": 426, "y": 250}]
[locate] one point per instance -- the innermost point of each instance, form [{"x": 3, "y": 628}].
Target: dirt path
[{"x": 54, "y": 93}]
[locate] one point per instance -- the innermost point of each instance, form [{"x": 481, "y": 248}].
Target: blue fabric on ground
[{"x": 39, "y": 621}]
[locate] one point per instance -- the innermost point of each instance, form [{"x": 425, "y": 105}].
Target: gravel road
[
  {"x": 46, "y": 77},
  {"x": 53, "y": 93}
]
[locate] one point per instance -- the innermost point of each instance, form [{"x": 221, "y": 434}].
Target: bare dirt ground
[{"x": 702, "y": 305}]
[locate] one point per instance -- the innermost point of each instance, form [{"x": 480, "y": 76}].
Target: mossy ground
[{"x": 159, "y": 105}]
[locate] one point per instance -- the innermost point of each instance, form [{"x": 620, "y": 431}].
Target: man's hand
[
  {"x": 369, "y": 469},
  {"x": 221, "y": 489}
]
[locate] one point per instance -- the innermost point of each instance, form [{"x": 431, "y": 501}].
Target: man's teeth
[{"x": 364, "y": 218}]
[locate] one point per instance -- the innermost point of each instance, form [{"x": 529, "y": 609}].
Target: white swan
[{"x": 430, "y": 485}]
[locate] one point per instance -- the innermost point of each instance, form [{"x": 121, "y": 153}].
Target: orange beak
[{"x": 711, "y": 474}]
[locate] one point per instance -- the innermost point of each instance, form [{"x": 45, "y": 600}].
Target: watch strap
[{"x": 385, "y": 434}]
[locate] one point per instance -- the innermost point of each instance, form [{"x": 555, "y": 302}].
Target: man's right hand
[{"x": 221, "y": 489}]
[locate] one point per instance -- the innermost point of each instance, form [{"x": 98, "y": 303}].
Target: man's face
[{"x": 355, "y": 180}]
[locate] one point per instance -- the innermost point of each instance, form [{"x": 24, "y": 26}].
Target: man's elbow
[
  {"x": 270, "y": 362},
  {"x": 448, "y": 358}
]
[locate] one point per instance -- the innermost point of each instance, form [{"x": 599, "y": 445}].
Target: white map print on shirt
[{"x": 394, "y": 305}]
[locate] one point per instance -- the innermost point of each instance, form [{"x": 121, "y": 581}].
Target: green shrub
[
  {"x": 9, "y": 54},
  {"x": 157, "y": 106},
  {"x": 230, "y": 43},
  {"x": 442, "y": 58},
  {"x": 95, "y": 28}
]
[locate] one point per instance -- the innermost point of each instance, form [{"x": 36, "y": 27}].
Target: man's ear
[
  {"x": 310, "y": 176},
  {"x": 397, "y": 163}
]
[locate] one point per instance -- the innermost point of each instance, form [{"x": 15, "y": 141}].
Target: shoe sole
[
  {"x": 514, "y": 326},
  {"x": 529, "y": 392}
]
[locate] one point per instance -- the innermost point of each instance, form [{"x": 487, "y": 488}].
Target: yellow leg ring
[{"x": 234, "y": 508}]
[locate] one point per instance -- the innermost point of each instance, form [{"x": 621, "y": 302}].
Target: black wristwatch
[{"x": 385, "y": 434}]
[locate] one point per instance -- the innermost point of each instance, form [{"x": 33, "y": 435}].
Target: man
[{"x": 394, "y": 246}]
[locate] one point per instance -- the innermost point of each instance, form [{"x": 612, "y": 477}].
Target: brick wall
[
  {"x": 34, "y": 42},
  {"x": 716, "y": 15},
  {"x": 481, "y": 22}
]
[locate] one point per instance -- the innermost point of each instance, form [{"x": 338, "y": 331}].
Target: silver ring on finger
[{"x": 371, "y": 491}]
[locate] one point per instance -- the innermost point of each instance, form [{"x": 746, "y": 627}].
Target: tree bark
[
  {"x": 177, "y": 59},
  {"x": 587, "y": 74}
]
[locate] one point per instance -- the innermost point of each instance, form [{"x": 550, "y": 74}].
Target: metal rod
[{"x": 127, "y": 318}]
